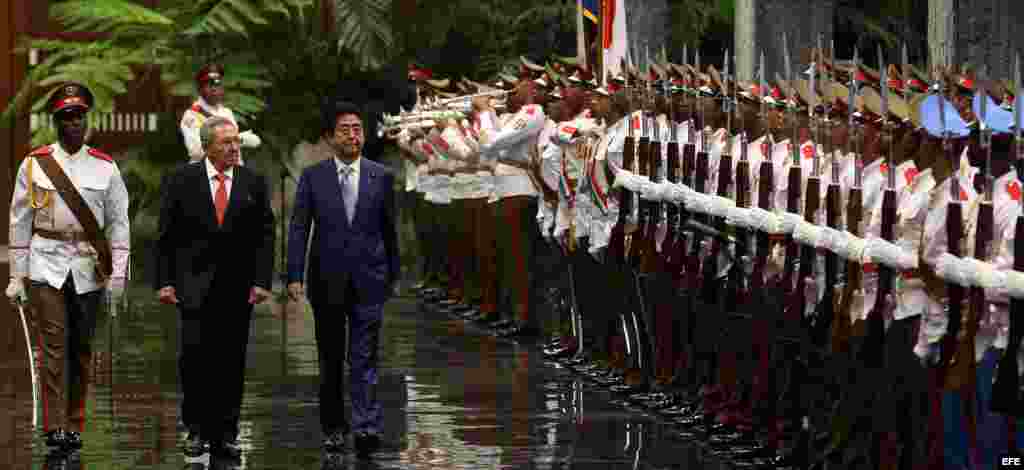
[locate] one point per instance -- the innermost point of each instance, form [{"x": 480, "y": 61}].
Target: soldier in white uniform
[
  {"x": 56, "y": 266},
  {"x": 210, "y": 82}
]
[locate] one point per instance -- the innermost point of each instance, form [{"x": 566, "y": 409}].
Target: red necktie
[{"x": 220, "y": 200}]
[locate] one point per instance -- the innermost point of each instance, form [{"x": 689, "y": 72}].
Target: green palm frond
[
  {"x": 364, "y": 30},
  {"x": 107, "y": 16},
  {"x": 237, "y": 16}
]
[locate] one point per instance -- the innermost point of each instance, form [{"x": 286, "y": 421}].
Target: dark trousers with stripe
[{"x": 64, "y": 324}]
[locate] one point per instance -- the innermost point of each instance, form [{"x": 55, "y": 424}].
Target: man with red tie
[{"x": 215, "y": 258}]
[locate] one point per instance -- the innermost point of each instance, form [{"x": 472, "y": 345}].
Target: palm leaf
[{"x": 106, "y": 15}]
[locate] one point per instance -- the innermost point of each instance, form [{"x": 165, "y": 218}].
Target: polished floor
[{"x": 454, "y": 398}]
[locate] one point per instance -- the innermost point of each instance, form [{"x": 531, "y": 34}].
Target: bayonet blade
[
  {"x": 982, "y": 97},
  {"x": 686, "y": 53},
  {"x": 785, "y": 58},
  {"x": 812, "y": 96},
  {"x": 904, "y": 65},
  {"x": 1016, "y": 101},
  {"x": 884, "y": 85}
]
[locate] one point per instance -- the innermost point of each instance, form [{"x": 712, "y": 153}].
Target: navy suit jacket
[{"x": 364, "y": 251}]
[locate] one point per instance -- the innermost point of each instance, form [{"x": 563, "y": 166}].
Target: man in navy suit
[{"x": 353, "y": 267}]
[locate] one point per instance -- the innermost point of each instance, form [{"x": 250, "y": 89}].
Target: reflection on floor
[{"x": 453, "y": 399}]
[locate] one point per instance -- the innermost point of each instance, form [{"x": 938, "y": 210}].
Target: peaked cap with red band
[
  {"x": 68, "y": 96},
  {"x": 210, "y": 72}
]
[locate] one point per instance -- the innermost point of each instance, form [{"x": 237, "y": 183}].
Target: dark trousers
[
  {"x": 211, "y": 363},
  {"x": 516, "y": 231},
  {"x": 64, "y": 323},
  {"x": 364, "y": 322}
]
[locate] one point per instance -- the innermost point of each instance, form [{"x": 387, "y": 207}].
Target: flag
[
  {"x": 614, "y": 35},
  {"x": 591, "y": 9}
]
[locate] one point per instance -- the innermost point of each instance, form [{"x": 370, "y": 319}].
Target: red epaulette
[
  {"x": 195, "y": 107},
  {"x": 44, "y": 150},
  {"x": 100, "y": 155}
]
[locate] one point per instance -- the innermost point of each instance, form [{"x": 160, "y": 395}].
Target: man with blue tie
[{"x": 354, "y": 266}]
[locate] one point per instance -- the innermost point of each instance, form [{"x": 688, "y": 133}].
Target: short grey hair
[{"x": 209, "y": 126}]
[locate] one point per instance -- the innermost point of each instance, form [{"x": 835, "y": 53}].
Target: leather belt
[{"x": 66, "y": 236}]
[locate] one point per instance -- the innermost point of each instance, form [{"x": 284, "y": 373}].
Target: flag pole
[{"x": 581, "y": 41}]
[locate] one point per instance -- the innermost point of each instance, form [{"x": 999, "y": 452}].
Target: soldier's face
[
  {"x": 226, "y": 147},
  {"x": 71, "y": 126},
  {"x": 348, "y": 136},
  {"x": 213, "y": 92}
]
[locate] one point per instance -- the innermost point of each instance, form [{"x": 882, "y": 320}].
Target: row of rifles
[{"x": 814, "y": 386}]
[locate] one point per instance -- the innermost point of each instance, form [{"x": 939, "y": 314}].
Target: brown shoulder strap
[{"x": 81, "y": 210}]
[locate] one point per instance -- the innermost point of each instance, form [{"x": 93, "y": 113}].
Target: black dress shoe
[
  {"x": 194, "y": 446},
  {"x": 334, "y": 442},
  {"x": 66, "y": 441},
  {"x": 227, "y": 448},
  {"x": 366, "y": 444},
  {"x": 500, "y": 324}
]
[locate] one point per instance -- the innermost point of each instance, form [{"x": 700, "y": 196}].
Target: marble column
[
  {"x": 648, "y": 24},
  {"x": 760, "y": 24},
  {"x": 982, "y": 31}
]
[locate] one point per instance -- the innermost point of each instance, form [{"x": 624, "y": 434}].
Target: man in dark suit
[
  {"x": 354, "y": 265},
  {"x": 215, "y": 261}
]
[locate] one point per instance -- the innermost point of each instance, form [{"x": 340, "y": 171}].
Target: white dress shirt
[
  {"x": 41, "y": 259},
  {"x": 353, "y": 177},
  {"x": 211, "y": 174}
]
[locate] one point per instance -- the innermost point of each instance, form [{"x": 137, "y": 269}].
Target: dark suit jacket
[
  {"x": 365, "y": 251},
  {"x": 193, "y": 250}
]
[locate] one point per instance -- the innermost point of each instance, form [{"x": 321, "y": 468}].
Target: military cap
[
  {"x": 602, "y": 91},
  {"x": 70, "y": 95},
  {"x": 556, "y": 94},
  {"x": 416, "y": 72},
  {"x": 210, "y": 73},
  {"x": 716, "y": 79},
  {"x": 872, "y": 102},
  {"x": 462, "y": 87}
]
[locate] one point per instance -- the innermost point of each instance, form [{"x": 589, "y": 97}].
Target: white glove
[
  {"x": 250, "y": 139},
  {"x": 115, "y": 287},
  {"x": 16, "y": 291}
]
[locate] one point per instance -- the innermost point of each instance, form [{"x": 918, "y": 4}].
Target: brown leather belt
[{"x": 68, "y": 236}]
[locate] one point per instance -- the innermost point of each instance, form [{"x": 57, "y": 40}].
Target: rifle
[
  {"x": 724, "y": 182},
  {"x": 742, "y": 200},
  {"x": 1006, "y": 389},
  {"x": 678, "y": 253},
  {"x": 617, "y": 240},
  {"x": 699, "y": 185},
  {"x": 832, "y": 215},
  {"x": 963, "y": 374},
  {"x": 636, "y": 247},
  {"x": 811, "y": 200},
  {"x": 794, "y": 186},
  {"x": 651, "y": 262},
  {"x": 842, "y": 328},
  {"x": 672, "y": 261},
  {"x": 874, "y": 342}
]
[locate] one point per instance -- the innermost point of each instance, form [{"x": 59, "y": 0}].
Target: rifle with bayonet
[
  {"x": 963, "y": 375},
  {"x": 723, "y": 185},
  {"x": 678, "y": 253},
  {"x": 832, "y": 216},
  {"x": 1006, "y": 389},
  {"x": 617, "y": 240},
  {"x": 842, "y": 329},
  {"x": 638, "y": 244},
  {"x": 651, "y": 261},
  {"x": 874, "y": 341},
  {"x": 673, "y": 262},
  {"x": 794, "y": 186},
  {"x": 811, "y": 199}
]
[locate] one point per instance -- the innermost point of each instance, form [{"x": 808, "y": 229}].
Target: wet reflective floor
[{"x": 454, "y": 398}]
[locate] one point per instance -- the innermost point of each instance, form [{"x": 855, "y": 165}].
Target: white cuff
[
  {"x": 1015, "y": 284},
  {"x": 250, "y": 139},
  {"x": 807, "y": 234}
]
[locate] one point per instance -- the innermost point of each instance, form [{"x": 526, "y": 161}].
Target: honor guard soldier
[
  {"x": 69, "y": 240},
  {"x": 210, "y": 83}
]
